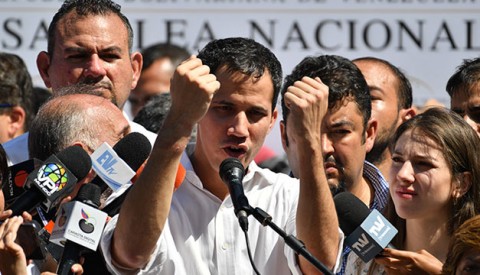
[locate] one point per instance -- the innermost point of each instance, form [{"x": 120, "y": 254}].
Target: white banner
[{"x": 427, "y": 39}]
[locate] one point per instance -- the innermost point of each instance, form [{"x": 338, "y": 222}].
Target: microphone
[
  {"x": 79, "y": 226},
  {"x": 132, "y": 150},
  {"x": 368, "y": 233},
  {"x": 16, "y": 177},
  {"x": 114, "y": 206},
  {"x": 54, "y": 180},
  {"x": 232, "y": 172}
]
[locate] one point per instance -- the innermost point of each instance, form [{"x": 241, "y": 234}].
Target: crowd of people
[{"x": 347, "y": 126}]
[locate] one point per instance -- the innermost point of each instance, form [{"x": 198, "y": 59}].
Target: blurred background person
[
  {"x": 16, "y": 97},
  {"x": 159, "y": 63},
  {"x": 391, "y": 94},
  {"x": 464, "y": 251},
  {"x": 463, "y": 87}
]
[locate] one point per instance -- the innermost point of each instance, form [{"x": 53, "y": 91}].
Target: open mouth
[{"x": 235, "y": 151}]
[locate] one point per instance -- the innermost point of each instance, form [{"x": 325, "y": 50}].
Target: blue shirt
[{"x": 380, "y": 199}]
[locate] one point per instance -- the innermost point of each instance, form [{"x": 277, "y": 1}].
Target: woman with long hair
[{"x": 434, "y": 189}]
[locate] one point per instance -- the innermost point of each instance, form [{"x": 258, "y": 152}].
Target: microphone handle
[
  {"x": 70, "y": 256},
  {"x": 27, "y": 201}
]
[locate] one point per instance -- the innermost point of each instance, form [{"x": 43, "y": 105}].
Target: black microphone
[
  {"x": 16, "y": 178},
  {"x": 232, "y": 172},
  {"x": 54, "y": 180},
  {"x": 89, "y": 194},
  {"x": 134, "y": 149},
  {"x": 367, "y": 232}
]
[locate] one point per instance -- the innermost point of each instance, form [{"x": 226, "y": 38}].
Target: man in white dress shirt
[{"x": 231, "y": 91}]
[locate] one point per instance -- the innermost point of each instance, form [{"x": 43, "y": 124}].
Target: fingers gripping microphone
[
  {"x": 52, "y": 181},
  {"x": 232, "y": 172},
  {"x": 367, "y": 233}
]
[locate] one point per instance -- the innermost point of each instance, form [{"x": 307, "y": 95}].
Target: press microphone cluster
[
  {"x": 367, "y": 232},
  {"x": 134, "y": 149},
  {"x": 53, "y": 180},
  {"x": 129, "y": 153}
]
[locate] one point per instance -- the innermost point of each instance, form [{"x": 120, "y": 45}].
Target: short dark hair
[
  {"x": 157, "y": 51},
  {"x": 152, "y": 115},
  {"x": 404, "y": 88},
  {"x": 16, "y": 85},
  {"x": 85, "y": 8},
  {"x": 466, "y": 75},
  {"x": 343, "y": 78},
  {"x": 246, "y": 56}
]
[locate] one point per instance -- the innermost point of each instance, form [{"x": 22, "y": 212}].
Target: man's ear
[
  {"x": 273, "y": 120},
  {"x": 283, "y": 134},
  {"x": 137, "y": 62},
  {"x": 84, "y": 146},
  {"x": 463, "y": 182},
  {"x": 43, "y": 64},
  {"x": 406, "y": 114},
  {"x": 370, "y": 134},
  {"x": 17, "y": 118}
]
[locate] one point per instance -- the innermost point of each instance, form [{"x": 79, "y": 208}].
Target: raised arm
[
  {"x": 145, "y": 210},
  {"x": 317, "y": 224}
]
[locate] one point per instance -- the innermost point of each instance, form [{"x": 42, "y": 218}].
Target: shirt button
[{"x": 225, "y": 246}]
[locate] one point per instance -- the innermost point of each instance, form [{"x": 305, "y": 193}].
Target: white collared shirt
[{"x": 202, "y": 234}]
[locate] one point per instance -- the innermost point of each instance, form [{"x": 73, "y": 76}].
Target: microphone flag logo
[{"x": 87, "y": 223}]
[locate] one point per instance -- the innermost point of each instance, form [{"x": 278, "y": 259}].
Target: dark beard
[
  {"x": 338, "y": 189},
  {"x": 376, "y": 155},
  {"x": 382, "y": 141}
]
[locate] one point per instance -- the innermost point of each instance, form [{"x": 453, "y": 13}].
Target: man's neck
[
  {"x": 363, "y": 190},
  {"x": 385, "y": 164},
  {"x": 210, "y": 179}
]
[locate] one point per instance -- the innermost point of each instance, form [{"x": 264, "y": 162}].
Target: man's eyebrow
[
  {"x": 77, "y": 49},
  {"x": 112, "y": 49},
  {"x": 342, "y": 123}
]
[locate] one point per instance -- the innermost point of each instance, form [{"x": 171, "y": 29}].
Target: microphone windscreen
[
  {"x": 230, "y": 165},
  {"x": 89, "y": 194},
  {"x": 134, "y": 149},
  {"x": 351, "y": 211},
  {"x": 76, "y": 160}
]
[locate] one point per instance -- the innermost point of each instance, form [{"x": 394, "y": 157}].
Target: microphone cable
[{"x": 250, "y": 253}]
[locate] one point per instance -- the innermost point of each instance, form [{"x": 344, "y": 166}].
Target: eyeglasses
[{"x": 6, "y": 105}]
